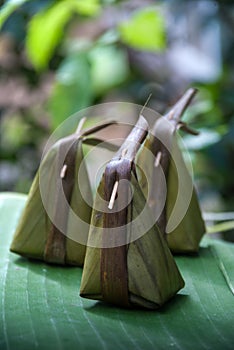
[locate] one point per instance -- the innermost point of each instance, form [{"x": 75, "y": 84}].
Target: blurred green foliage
[
  {"x": 145, "y": 31},
  {"x": 8, "y": 8},
  {"x": 46, "y": 28},
  {"x": 58, "y": 57},
  {"x": 72, "y": 89}
]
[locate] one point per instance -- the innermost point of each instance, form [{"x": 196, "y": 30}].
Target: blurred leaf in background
[
  {"x": 8, "y": 8},
  {"x": 72, "y": 89},
  {"x": 109, "y": 68},
  {"x": 145, "y": 30},
  {"x": 57, "y": 57},
  {"x": 46, "y": 29}
]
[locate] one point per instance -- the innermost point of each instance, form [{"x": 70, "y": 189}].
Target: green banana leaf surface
[{"x": 40, "y": 307}]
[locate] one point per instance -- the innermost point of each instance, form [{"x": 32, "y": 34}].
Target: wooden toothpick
[
  {"x": 63, "y": 171},
  {"x": 171, "y": 114},
  {"x": 124, "y": 152},
  {"x": 113, "y": 195},
  {"x": 158, "y": 159},
  {"x": 80, "y": 125}
]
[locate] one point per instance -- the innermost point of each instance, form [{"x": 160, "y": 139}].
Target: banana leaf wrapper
[
  {"x": 48, "y": 228},
  {"x": 128, "y": 262},
  {"x": 181, "y": 219}
]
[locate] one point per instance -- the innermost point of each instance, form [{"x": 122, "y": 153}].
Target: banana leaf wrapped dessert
[
  {"x": 181, "y": 218},
  {"x": 54, "y": 224},
  {"x": 127, "y": 262}
]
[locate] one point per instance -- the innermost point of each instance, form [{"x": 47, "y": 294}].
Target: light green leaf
[
  {"x": 87, "y": 7},
  {"x": 46, "y": 28},
  {"x": 8, "y": 8},
  {"x": 72, "y": 90},
  {"x": 109, "y": 67},
  {"x": 44, "y": 33},
  {"x": 40, "y": 306},
  {"x": 145, "y": 30}
]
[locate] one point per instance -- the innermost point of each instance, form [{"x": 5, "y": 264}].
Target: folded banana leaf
[
  {"x": 165, "y": 177},
  {"x": 54, "y": 225},
  {"x": 127, "y": 262}
]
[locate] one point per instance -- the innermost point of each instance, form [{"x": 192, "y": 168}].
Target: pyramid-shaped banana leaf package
[
  {"x": 55, "y": 222},
  {"x": 167, "y": 183},
  {"x": 127, "y": 262}
]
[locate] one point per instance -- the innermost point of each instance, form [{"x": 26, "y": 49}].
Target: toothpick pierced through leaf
[
  {"x": 48, "y": 229},
  {"x": 181, "y": 219},
  {"x": 127, "y": 261}
]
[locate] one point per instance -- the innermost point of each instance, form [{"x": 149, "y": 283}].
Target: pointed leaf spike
[{"x": 179, "y": 108}]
